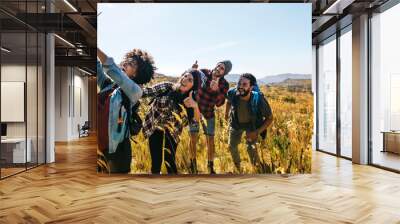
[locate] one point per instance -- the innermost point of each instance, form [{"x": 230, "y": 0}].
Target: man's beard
[{"x": 242, "y": 92}]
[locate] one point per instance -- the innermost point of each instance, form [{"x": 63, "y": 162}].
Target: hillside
[
  {"x": 294, "y": 82},
  {"x": 295, "y": 85},
  {"x": 271, "y": 79}
]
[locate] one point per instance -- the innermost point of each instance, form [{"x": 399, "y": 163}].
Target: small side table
[{"x": 391, "y": 141}]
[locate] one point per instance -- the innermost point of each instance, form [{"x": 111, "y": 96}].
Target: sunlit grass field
[{"x": 287, "y": 148}]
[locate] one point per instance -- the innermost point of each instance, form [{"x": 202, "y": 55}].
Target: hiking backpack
[
  {"x": 103, "y": 110},
  {"x": 257, "y": 97}
]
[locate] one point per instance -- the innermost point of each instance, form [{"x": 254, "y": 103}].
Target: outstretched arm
[
  {"x": 101, "y": 56},
  {"x": 157, "y": 89},
  {"x": 131, "y": 89},
  {"x": 102, "y": 80},
  {"x": 101, "y": 76}
]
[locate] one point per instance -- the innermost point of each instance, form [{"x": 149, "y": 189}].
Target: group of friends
[{"x": 190, "y": 101}]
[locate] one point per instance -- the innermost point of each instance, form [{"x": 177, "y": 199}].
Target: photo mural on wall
[{"x": 204, "y": 88}]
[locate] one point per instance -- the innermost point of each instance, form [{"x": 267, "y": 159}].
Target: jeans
[
  {"x": 209, "y": 128},
  {"x": 156, "y": 152},
  {"x": 235, "y": 137}
]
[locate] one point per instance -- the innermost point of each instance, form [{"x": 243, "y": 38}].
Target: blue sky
[{"x": 263, "y": 39}]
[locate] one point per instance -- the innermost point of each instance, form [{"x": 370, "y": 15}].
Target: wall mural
[{"x": 204, "y": 88}]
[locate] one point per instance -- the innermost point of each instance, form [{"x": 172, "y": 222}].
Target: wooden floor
[
  {"x": 387, "y": 159},
  {"x": 70, "y": 191},
  {"x": 10, "y": 171}
]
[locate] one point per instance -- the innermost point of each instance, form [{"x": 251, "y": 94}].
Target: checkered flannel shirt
[
  {"x": 164, "y": 113},
  {"x": 207, "y": 99}
]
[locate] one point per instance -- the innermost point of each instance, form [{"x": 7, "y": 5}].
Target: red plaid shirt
[{"x": 206, "y": 98}]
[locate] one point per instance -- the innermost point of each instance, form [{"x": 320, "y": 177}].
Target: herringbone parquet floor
[{"x": 70, "y": 191}]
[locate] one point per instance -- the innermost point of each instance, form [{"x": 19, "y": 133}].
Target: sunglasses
[{"x": 132, "y": 62}]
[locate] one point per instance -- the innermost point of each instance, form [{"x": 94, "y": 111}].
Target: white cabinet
[{"x": 17, "y": 146}]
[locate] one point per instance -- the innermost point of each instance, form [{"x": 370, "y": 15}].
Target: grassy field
[{"x": 287, "y": 148}]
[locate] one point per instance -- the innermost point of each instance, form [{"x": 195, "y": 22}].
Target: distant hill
[
  {"x": 292, "y": 82},
  {"x": 272, "y": 79},
  {"x": 287, "y": 80},
  {"x": 162, "y": 78},
  {"x": 295, "y": 85},
  {"x": 282, "y": 77}
]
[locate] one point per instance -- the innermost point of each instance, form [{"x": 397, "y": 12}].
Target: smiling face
[
  {"x": 219, "y": 70},
  {"x": 185, "y": 82},
  {"x": 244, "y": 87}
]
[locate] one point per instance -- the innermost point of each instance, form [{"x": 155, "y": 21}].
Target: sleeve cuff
[
  {"x": 98, "y": 64},
  {"x": 109, "y": 61}
]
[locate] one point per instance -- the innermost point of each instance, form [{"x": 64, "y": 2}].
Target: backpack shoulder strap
[
  {"x": 254, "y": 101},
  {"x": 257, "y": 97},
  {"x": 232, "y": 94},
  {"x": 106, "y": 92}
]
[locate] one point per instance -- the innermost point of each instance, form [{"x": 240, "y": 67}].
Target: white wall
[
  {"x": 14, "y": 73},
  {"x": 61, "y": 103},
  {"x": 80, "y": 89},
  {"x": 33, "y": 127},
  {"x": 70, "y": 83}
]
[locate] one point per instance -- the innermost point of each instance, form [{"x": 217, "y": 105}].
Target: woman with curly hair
[
  {"x": 138, "y": 65},
  {"x": 118, "y": 103}
]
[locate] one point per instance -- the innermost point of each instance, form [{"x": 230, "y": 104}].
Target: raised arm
[
  {"x": 102, "y": 80},
  {"x": 101, "y": 56},
  {"x": 157, "y": 89},
  {"x": 130, "y": 88}
]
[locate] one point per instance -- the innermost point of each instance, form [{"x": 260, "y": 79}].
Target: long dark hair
[
  {"x": 196, "y": 77},
  {"x": 179, "y": 97}
]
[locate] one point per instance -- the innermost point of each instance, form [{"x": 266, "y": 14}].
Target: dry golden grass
[{"x": 287, "y": 148}]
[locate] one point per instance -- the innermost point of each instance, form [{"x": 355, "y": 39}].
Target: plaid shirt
[
  {"x": 164, "y": 113},
  {"x": 207, "y": 99}
]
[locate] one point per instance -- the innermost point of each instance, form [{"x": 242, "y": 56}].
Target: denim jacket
[{"x": 109, "y": 74}]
